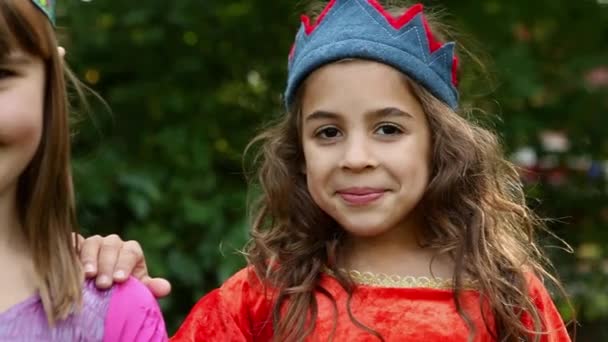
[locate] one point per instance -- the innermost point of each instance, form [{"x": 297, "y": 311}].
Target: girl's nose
[{"x": 357, "y": 155}]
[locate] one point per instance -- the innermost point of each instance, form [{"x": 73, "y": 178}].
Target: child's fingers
[
  {"x": 158, "y": 286},
  {"x": 89, "y": 252},
  {"x": 107, "y": 259},
  {"x": 130, "y": 258}
]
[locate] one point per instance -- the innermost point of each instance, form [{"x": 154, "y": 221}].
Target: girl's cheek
[
  {"x": 20, "y": 121},
  {"x": 20, "y": 135}
]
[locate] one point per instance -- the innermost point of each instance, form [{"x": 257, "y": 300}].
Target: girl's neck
[
  {"x": 397, "y": 252},
  {"x": 11, "y": 236},
  {"x": 15, "y": 260}
]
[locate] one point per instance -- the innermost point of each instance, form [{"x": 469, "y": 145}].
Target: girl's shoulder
[
  {"x": 551, "y": 320},
  {"x": 239, "y": 310},
  {"x": 126, "y": 312},
  {"x": 133, "y": 314},
  {"x": 131, "y": 292},
  {"x": 245, "y": 289},
  {"x": 246, "y": 277},
  {"x": 537, "y": 290}
]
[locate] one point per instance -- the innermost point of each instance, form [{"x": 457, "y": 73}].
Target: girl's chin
[{"x": 365, "y": 231}]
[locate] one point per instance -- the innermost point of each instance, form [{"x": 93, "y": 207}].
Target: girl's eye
[
  {"x": 328, "y": 133},
  {"x": 5, "y": 73},
  {"x": 388, "y": 129}
]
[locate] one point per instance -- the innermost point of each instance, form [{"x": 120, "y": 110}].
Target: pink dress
[{"x": 126, "y": 313}]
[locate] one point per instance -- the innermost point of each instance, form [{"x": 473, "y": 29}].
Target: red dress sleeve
[
  {"x": 238, "y": 311},
  {"x": 553, "y": 326}
]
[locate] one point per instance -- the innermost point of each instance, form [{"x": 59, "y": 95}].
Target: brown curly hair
[{"x": 474, "y": 205}]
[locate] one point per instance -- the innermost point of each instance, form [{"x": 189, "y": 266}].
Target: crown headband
[
  {"x": 364, "y": 29},
  {"x": 47, "y": 7}
]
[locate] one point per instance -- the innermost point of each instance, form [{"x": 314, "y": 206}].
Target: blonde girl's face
[
  {"x": 366, "y": 144},
  {"x": 22, "y": 84}
]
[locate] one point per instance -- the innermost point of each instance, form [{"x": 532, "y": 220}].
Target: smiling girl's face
[
  {"x": 367, "y": 146},
  {"x": 22, "y": 84}
]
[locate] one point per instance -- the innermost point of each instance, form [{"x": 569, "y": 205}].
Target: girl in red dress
[{"x": 385, "y": 214}]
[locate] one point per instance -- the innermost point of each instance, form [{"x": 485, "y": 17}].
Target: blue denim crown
[{"x": 364, "y": 29}]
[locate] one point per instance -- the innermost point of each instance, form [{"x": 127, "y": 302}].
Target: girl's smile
[{"x": 361, "y": 196}]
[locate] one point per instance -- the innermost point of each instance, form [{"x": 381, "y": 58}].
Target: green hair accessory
[{"x": 48, "y": 7}]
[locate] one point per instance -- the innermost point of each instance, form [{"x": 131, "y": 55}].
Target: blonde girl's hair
[{"x": 45, "y": 193}]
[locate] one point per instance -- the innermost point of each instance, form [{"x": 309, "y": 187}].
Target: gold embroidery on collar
[{"x": 397, "y": 281}]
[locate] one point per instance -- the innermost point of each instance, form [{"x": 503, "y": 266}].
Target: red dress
[{"x": 240, "y": 310}]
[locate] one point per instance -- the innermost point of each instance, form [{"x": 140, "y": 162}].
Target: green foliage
[{"x": 189, "y": 83}]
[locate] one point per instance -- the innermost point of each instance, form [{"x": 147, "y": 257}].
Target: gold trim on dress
[{"x": 397, "y": 281}]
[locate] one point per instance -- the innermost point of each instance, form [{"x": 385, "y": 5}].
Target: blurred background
[{"x": 189, "y": 82}]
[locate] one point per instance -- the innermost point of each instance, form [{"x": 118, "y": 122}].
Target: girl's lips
[{"x": 360, "y": 196}]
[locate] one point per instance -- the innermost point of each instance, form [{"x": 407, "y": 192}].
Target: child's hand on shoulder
[{"x": 111, "y": 260}]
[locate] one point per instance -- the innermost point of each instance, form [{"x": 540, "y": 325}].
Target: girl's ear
[{"x": 61, "y": 51}]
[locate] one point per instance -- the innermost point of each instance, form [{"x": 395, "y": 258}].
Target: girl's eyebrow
[
  {"x": 15, "y": 59},
  {"x": 373, "y": 114},
  {"x": 320, "y": 115},
  {"x": 388, "y": 112}
]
